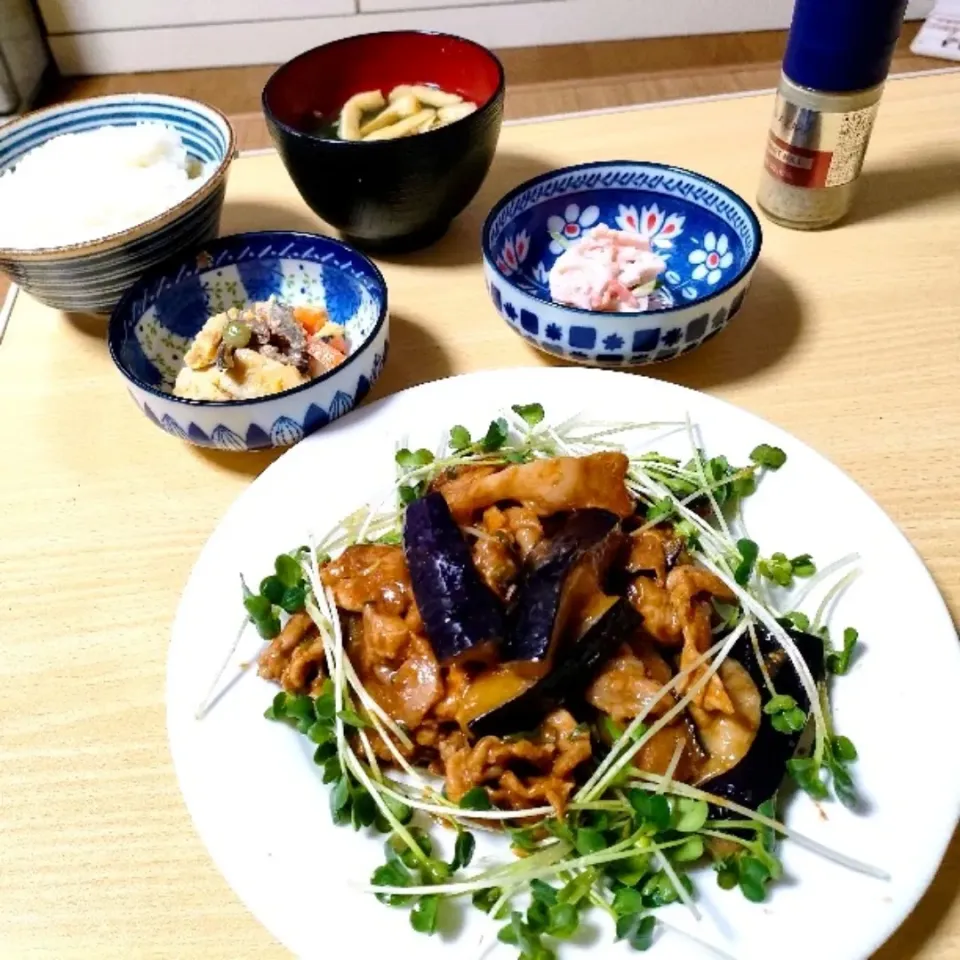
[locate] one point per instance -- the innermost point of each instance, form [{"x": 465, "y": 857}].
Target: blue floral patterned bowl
[
  {"x": 152, "y": 326},
  {"x": 708, "y": 235}
]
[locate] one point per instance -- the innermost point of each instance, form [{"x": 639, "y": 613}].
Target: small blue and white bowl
[
  {"x": 90, "y": 277},
  {"x": 708, "y": 235},
  {"x": 152, "y": 326}
]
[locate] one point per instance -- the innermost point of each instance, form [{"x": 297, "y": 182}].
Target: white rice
[{"x": 83, "y": 186}]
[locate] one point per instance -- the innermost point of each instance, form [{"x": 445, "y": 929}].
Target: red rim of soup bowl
[{"x": 379, "y": 61}]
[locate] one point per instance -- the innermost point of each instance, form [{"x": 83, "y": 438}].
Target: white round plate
[{"x": 262, "y": 811}]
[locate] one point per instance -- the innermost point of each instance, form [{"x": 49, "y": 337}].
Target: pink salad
[{"x": 609, "y": 270}]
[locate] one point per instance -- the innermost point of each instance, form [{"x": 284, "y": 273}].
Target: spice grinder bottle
[{"x": 838, "y": 55}]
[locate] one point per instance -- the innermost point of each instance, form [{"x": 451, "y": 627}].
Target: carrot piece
[
  {"x": 312, "y": 319},
  {"x": 338, "y": 343},
  {"x": 323, "y": 357}
]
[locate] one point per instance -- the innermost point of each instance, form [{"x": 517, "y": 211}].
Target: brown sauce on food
[{"x": 507, "y": 515}]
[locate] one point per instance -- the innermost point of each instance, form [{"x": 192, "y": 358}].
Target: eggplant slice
[
  {"x": 758, "y": 775},
  {"x": 569, "y": 677},
  {"x": 462, "y": 617},
  {"x": 564, "y": 572}
]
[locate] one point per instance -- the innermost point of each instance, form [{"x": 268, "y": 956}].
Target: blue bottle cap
[{"x": 842, "y": 45}]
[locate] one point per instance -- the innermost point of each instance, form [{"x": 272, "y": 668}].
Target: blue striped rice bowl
[{"x": 91, "y": 277}]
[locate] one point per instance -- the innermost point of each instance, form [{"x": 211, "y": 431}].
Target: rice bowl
[
  {"x": 83, "y": 186},
  {"x": 92, "y": 275}
]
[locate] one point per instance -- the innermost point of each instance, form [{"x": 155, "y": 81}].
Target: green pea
[{"x": 236, "y": 334}]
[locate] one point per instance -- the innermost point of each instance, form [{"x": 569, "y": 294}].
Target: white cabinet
[
  {"x": 379, "y": 6},
  {"x": 128, "y": 36},
  {"x": 89, "y": 16}
]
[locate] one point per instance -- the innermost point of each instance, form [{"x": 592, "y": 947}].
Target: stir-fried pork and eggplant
[
  {"x": 529, "y": 610},
  {"x": 565, "y": 642}
]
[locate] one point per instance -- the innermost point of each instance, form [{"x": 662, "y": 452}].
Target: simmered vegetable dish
[
  {"x": 545, "y": 635},
  {"x": 261, "y": 349}
]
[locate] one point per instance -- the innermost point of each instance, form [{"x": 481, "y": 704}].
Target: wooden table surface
[{"x": 850, "y": 339}]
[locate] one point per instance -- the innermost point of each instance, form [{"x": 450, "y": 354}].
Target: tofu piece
[
  {"x": 403, "y": 128},
  {"x": 199, "y": 385},
  {"x": 399, "y": 109},
  {"x": 455, "y": 112},
  {"x": 430, "y": 96},
  {"x": 353, "y": 111},
  {"x": 252, "y": 375},
  {"x": 203, "y": 350}
]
